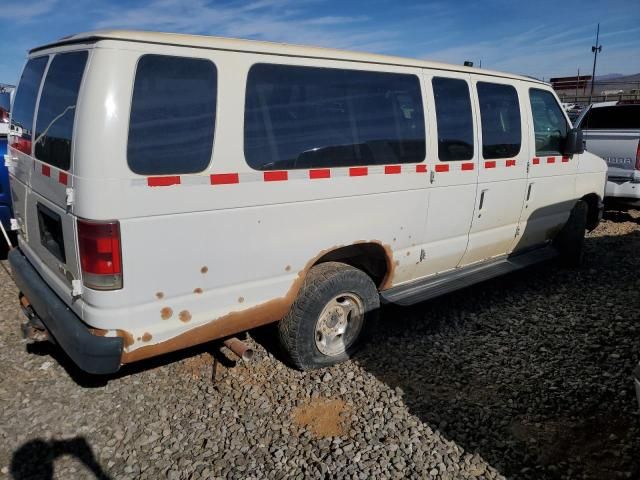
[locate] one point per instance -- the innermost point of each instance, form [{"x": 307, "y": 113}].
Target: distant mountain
[
  {"x": 609, "y": 76},
  {"x": 615, "y": 81}
]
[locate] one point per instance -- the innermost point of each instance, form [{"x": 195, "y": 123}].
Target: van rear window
[
  {"x": 24, "y": 104},
  {"x": 173, "y": 114},
  {"x": 57, "y": 108},
  {"x": 614, "y": 117},
  {"x": 308, "y": 117}
]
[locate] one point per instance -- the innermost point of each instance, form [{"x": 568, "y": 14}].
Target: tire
[
  {"x": 570, "y": 240},
  {"x": 329, "y": 301}
]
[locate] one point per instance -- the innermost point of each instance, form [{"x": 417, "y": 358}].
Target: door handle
[
  {"x": 529, "y": 191},
  {"x": 481, "y": 199},
  {"x": 481, "y": 203}
]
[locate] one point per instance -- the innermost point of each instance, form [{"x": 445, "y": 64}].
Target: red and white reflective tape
[
  {"x": 550, "y": 160},
  {"x": 275, "y": 176},
  {"x": 46, "y": 171}
]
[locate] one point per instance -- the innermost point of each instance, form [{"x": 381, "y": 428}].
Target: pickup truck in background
[{"x": 611, "y": 130}]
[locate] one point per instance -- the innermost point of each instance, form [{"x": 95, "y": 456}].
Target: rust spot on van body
[
  {"x": 166, "y": 313},
  {"x": 159, "y": 295},
  {"x": 127, "y": 338},
  {"x": 387, "y": 281},
  {"x": 184, "y": 316},
  {"x": 197, "y": 290},
  {"x": 204, "y": 269},
  {"x": 98, "y": 332},
  {"x": 146, "y": 337},
  {"x": 256, "y": 316}
]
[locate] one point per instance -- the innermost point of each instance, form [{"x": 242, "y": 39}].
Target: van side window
[
  {"x": 24, "y": 105},
  {"x": 57, "y": 109},
  {"x": 500, "y": 119},
  {"x": 549, "y": 123},
  {"x": 173, "y": 115},
  {"x": 454, "y": 119},
  {"x": 307, "y": 117}
]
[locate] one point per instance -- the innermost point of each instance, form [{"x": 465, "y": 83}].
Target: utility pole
[
  {"x": 597, "y": 49},
  {"x": 577, "y": 83}
]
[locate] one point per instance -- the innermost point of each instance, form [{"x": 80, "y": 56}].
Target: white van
[{"x": 170, "y": 190}]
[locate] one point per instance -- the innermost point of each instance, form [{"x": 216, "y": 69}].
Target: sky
[{"x": 537, "y": 38}]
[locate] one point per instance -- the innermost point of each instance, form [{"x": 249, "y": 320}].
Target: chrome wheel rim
[{"x": 339, "y": 324}]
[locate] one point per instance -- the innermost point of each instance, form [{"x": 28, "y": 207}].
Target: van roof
[{"x": 233, "y": 44}]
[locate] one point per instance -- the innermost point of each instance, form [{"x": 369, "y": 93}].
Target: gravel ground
[{"x": 526, "y": 376}]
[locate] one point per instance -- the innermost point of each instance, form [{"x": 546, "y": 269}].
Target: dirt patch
[
  {"x": 198, "y": 366},
  {"x": 323, "y": 417}
]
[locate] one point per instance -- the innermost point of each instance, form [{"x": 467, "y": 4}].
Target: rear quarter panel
[{"x": 199, "y": 257}]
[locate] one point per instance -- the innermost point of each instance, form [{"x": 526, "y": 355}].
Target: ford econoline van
[{"x": 170, "y": 190}]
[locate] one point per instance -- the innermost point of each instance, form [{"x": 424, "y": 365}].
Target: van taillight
[{"x": 100, "y": 254}]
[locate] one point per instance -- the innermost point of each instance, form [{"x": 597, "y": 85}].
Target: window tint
[
  {"x": 57, "y": 108},
  {"x": 173, "y": 114},
  {"x": 24, "y": 104},
  {"x": 454, "y": 119},
  {"x": 549, "y": 123},
  {"x": 613, "y": 117},
  {"x": 500, "y": 119},
  {"x": 305, "y": 117}
]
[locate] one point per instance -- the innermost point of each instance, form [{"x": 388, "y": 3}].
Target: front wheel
[
  {"x": 570, "y": 240},
  {"x": 332, "y": 313}
]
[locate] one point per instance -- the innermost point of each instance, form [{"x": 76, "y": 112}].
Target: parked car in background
[
  {"x": 611, "y": 130},
  {"x": 5, "y": 193},
  {"x": 299, "y": 185}
]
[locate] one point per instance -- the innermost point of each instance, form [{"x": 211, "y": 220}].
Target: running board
[{"x": 432, "y": 287}]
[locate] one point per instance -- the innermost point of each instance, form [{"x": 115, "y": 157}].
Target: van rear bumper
[{"x": 92, "y": 353}]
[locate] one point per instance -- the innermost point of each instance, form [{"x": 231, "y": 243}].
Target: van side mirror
[{"x": 574, "y": 142}]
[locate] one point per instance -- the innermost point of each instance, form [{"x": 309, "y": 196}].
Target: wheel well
[
  {"x": 593, "y": 214},
  {"x": 371, "y": 258}
]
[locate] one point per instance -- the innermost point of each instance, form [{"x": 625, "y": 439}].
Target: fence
[{"x": 567, "y": 97}]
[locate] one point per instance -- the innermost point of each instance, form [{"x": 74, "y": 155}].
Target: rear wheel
[
  {"x": 570, "y": 240},
  {"x": 333, "y": 312}
]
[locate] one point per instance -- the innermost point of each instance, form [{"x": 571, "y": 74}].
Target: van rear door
[
  {"x": 43, "y": 174},
  {"x": 19, "y": 160}
]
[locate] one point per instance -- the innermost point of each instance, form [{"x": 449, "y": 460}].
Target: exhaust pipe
[
  {"x": 241, "y": 349},
  {"x": 33, "y": 329}
]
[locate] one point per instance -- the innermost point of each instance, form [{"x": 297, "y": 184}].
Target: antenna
[{"x": 595, "y": 49}]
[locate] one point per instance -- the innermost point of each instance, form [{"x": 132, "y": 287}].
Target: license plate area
[{"x": 51, "y": 237}]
